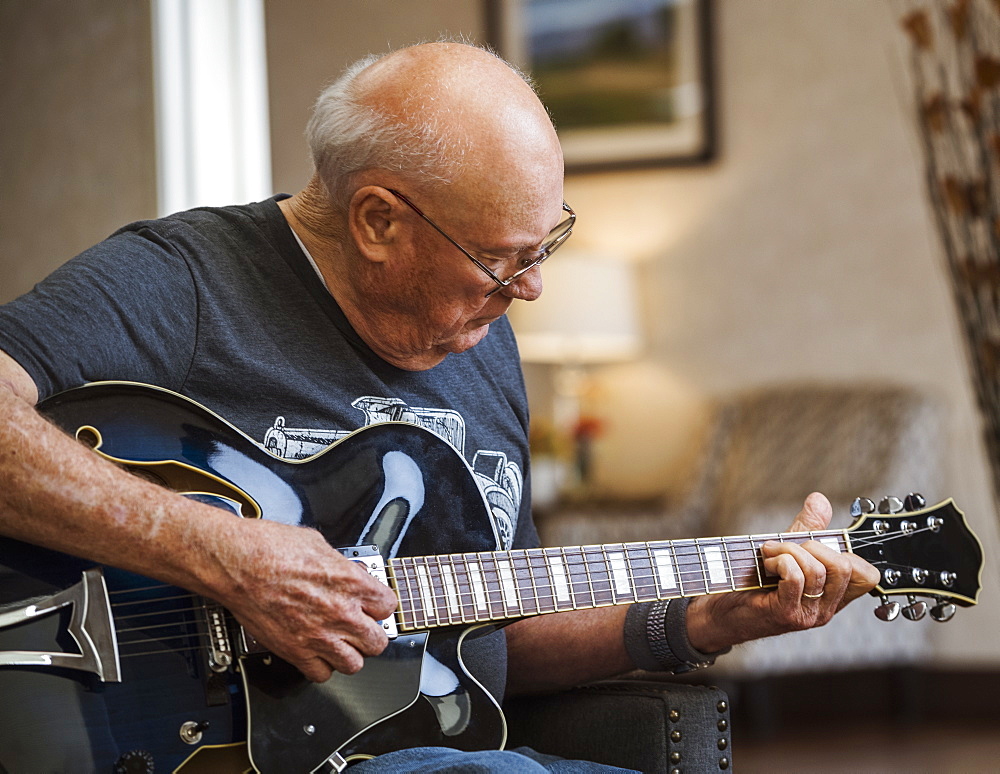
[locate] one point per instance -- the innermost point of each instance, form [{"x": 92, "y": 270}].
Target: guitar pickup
[{"x": 372, "y": 561}]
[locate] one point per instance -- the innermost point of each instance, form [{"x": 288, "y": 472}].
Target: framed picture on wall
[{"x": 628, "y": 82}]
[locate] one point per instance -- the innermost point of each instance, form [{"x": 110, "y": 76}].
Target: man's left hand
[{"x": 814, "y": 583}]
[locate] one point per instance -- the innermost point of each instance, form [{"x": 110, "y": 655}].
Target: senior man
[{"x": 438, "y": 192}]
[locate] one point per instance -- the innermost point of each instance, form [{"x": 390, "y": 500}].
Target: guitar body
[{"x": 394, "y": 485}]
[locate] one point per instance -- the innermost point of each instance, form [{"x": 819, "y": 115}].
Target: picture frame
[{"x": 628, "y": 83}]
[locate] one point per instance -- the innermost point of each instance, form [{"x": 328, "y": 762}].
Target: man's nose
[{"x": 527, "y": 287}]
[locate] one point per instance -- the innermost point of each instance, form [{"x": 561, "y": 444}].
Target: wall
[
  {"x": 77, "y": 158},
  {"x": 309, "y": 42}
]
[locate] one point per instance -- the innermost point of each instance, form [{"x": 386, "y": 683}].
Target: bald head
[{"x": 436, "y": 114}]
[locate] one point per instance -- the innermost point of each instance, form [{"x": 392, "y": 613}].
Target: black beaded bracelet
[{"x": 656, "y": 638}]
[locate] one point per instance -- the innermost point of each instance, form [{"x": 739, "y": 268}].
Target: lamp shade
[{"x": 587, "y": 313}]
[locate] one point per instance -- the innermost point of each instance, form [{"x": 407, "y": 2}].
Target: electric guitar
[{"x": 103, "y": 670}]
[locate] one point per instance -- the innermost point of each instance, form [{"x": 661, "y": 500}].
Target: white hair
[{"x": 347, "y": 136}]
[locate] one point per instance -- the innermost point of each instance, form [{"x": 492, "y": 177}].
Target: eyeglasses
[{"x": 552, "y": 242}]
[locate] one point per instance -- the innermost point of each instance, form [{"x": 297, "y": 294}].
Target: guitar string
[{"x": 587, "y": 559}]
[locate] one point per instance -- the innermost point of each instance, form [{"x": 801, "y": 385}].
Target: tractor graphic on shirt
[{"x": 501, "y": 480}]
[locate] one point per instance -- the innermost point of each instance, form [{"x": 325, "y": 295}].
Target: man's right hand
[{"x": 301, "y": 598}]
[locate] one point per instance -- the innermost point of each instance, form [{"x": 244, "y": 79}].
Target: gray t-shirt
[{"x": 221, "y": 305}]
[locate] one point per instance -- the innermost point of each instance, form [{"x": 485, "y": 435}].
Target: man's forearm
[
  {"x": 59, "y": 494},
  {"x": 560, "y": 650}
]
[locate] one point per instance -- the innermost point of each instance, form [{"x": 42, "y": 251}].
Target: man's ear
[{"x": 371, "y": 218}]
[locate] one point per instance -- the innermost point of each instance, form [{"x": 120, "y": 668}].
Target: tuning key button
[
  {"x": 916, "y": 610},
  {"x": 914, "y": 501},
  {"x": 943, "y": 611},
  {"x": 862, "y": 506},
  {"x": 887, "y": 611},
  {"x": 890, "y": 505}
]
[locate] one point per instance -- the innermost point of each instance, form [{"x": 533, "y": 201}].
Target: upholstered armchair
[{"x": 646, "y": 725}]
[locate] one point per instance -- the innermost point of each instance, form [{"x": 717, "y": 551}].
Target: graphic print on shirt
[{"x": 500, "y": 480}]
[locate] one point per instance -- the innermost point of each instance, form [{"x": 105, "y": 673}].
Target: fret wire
[
  {"x": 462, "y": 571},
  {"x": 516, "y": 581},
  {"x": 451, "y": 588},
  {"x": 531, "y": 579},
  {"x": 478, "y": 585},
  {"x": 489, "y": 591},
  {"x": 543, "y": 567},
  {"x": 409, "y": 594},
  {"x": 704, "y": 569},
  {"x": 589, "y": 576},
  {"x": 511, "y": 569},
  {"x": 617, "y": 572},
  {"x": 568, "y": 567},
  {"x": 455, "y": 568},
  {"x": 558, "y": 582},
  {"x": 729, "y": 562},
  {"x": 518, "y": 597},
  {"x": 606, "y": 561},
  {"x": 654, "y": 571},
  {"x": 758, "y": 560},
  {"x": 433, "y": 562},
  {"x": 449, "y": 598},
  {"x": 630, "y": 571},
  {"x": 579, "y": 588},
  {"x": 678, "y": 572},
  {"x": 467, "y": 571},
  {"x": 425, "y": 590}
]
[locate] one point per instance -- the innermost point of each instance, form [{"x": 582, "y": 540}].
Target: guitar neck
[{"x": 465, "y": 589}]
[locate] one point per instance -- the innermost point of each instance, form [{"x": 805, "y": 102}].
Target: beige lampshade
[{"x": 587, "y": 314}]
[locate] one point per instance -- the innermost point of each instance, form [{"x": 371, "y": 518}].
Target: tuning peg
[
  {"x": 887, "y": 611},
  {"x": 861, "y": 506},
  {"x": 943, "y": 611},
  {"x": 890, "y": 505},
  {"x": 916, "y": 610},
  {"x": 914, "y": 501}
]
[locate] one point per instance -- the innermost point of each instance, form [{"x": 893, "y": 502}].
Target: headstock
[{"x": 920, "y": 551}]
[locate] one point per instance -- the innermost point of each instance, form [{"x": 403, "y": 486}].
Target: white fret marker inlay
[
  {"x": 450, "y": 590},
  {"x": 559, "y": 579},
  {"x": 831, "y": 543},
  {"x": 478, "y": 588},
  {"x": 507, "y": 583},
  {"x": 716, "y": 567},
  {"x": 424, "y": 582},
  {"x": 665, "y": 569},
  {"x": 623, "y": 587}
]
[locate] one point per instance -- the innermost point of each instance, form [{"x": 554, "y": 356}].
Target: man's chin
[{"x": 466, "y": 340}]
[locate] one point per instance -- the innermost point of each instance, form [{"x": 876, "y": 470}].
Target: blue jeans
[{"x": 445, "y": 760}]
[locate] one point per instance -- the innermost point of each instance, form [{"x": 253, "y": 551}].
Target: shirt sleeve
[{"x": 125, "y": 309}]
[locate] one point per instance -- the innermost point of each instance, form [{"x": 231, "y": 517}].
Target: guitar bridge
[
  {"x": 220, "y": 651},
  {"x": 90, "y": 626}
]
